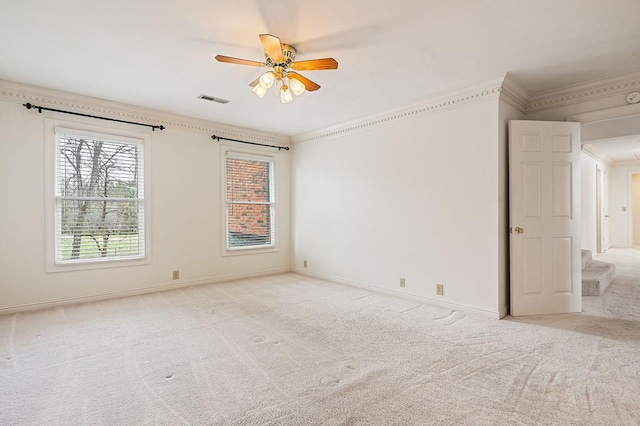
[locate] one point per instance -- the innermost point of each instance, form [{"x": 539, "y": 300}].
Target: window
[
  {"x": 250, "y": 209},
  {"x": 99, "y": 198}
]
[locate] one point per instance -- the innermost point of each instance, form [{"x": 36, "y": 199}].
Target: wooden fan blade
[
  {"x": 255, "y": 82},
  {"x": 308, "y": 84},
  {"x": 272, "y": 46},
  {"x": 229, "y": 59},
  {"x": 315, "y": 64}
]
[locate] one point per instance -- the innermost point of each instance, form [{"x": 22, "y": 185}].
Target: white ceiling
[
  {"x": 616, "y": 150},
  {"x": 159, "y": 53}
]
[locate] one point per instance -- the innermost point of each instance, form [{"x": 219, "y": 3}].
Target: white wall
[
  {"x": 186, "y": 216},
  {"x": 421, "y": 196},
  {"x": 621, "y": 127},
  {"x": 417, "y": 198},
  {"x": 620, "y": 203},
  {"x": 588, "y": 165}
]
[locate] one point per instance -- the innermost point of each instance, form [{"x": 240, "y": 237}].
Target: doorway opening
[
  {"x": 611, "y": 216},
  {"x": 634, "y": 213}
]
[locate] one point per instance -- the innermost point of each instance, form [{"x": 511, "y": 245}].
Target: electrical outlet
[
  {"x": 401, "y": 282},
  {"x": 440, "y": 289},
  {"x": 176, "y": 274},
  {"x": 304, "y": 262}
]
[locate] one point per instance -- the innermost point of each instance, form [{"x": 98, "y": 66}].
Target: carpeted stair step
[
  {"x": 586, "y": 258},
  {"x": 596, "y": 277}
]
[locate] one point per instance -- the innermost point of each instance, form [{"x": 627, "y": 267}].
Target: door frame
[
  {"x": 591, "y": 117},
  {"x": 599, "y": 216}
]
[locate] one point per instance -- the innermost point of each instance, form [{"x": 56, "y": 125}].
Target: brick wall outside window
[{"x": 248, "y": 181}]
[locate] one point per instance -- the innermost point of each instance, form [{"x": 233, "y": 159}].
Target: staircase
[{"x": 596, "y": 275}]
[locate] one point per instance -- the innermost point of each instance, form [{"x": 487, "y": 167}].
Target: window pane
[
  {"x": 249, "y": 225},
  {"x": 248, "y": 180},
  {"x": 250, "y": 212},
  {"x": 100, "y": 211},
  {"x": 98, "y": 229},
  {"x": 94, "y": 168}
]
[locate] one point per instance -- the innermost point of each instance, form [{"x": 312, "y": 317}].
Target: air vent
[
  {"x": 213, "y": 99},
  {"x": 637, "y": 155}
]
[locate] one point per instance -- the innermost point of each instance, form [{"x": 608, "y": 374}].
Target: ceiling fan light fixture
[
  {"x": 267, "y": 79},
  {"x": 285, "y": 95},
  {"x": 260, "y": 90},
  {"x": 281, "y": 58},
  {"x": 296, "y": 86}
]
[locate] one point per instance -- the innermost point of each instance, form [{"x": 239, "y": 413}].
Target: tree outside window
[{"x": 99, "y": 200}]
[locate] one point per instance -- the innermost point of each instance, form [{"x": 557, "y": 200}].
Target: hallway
[{"x": 622, "y": 299}]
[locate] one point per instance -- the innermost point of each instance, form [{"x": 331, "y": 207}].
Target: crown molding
[
  {"x": 514, "y": 94},
  {"x": 451, "y": 100},
  {"x": 506, "y": 88},
  {"x": 593, "y": 90},
  {"x": 509, "y": 91},
  {"x": 21, "y": 93}
]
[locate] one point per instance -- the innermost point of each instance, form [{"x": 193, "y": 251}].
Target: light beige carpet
[{"x": 292, "y": 350}]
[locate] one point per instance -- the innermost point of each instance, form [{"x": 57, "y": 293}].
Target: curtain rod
[
  {"x": 218, "y": 138},
  {"x": 41, "y": 108}
]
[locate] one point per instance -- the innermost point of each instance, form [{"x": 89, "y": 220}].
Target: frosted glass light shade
[
  {"x": 296, "y": 86},
  {"x": 285, "y": 95},
  {"x": 260, "y": 90},
  {"x": 267, "y": 79}
]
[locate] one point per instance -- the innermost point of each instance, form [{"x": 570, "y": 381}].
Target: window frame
[
  {"x": 233, "y": 152},
  {"x": 53, "y": 129}
]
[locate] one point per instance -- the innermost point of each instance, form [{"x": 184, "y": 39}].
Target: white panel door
[{"x": 544, "y": 203}]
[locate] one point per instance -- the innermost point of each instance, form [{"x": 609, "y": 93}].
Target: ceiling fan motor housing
[{"x": 288, "y": 54}]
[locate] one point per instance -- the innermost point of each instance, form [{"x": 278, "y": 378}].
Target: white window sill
[
  {"x": 243, "y": 251},
  {"x": 96, "y": 264}
]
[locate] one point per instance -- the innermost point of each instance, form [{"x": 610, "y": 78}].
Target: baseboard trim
[
  {"x": 419, "y": 298},
  {"x": 134, "y": 292},
  {"x": 504, "y": 311}
]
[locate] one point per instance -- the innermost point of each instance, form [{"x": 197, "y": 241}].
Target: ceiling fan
[{"x": 280, "y": 57}]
